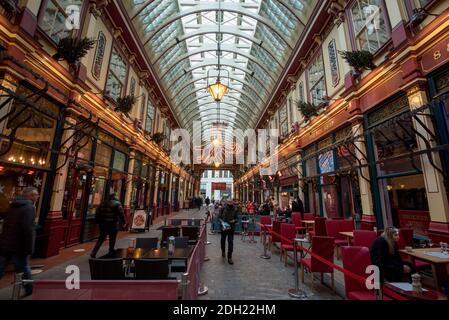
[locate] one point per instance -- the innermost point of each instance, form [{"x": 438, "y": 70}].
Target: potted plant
[
  {"x": 307, "y": 109},
  {"x": 10, "y": 7},
  {"x": 359, "y": 61},
  {"x": 158, "y": 137},
  {"x": 73, "y": 50},
  {"x": 125, "y": 104}
]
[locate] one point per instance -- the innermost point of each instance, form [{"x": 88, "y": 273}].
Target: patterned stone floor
[
  {"x": 252, "y": 277},
  {"x": 249, "y": 278}
]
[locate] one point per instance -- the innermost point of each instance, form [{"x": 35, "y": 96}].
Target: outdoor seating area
[{"x": 341, "y": 248}]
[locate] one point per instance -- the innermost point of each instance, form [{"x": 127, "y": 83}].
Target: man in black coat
[
  {"x": 111, "y": 219},
  {"x": 298, "y": 206},
  {"x": 17, "y": 238},
  {"x": 228, "y": 214}
]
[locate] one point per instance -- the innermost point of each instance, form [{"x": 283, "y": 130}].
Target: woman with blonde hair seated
[{"x": 385, "y": 254}]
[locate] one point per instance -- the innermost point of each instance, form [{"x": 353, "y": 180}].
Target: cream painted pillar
[
  {"x": 300, "y": 176},
  {"x": 57, "y": 195},
  {"x": 156, "y": 190},
  {"x": 170, "y": 186},
  {"x": 368, "y": 217},
  {"x": 435, "y": 189},
  {"x": 129, "y": 185}
]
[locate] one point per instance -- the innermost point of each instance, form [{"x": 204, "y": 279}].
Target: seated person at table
[
  {"x": 384, "y": 254},
  {"x": 265, "y": 209}
]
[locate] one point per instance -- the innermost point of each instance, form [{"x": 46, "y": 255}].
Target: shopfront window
[
  {"x": 369, "y": 24},
  {"x": 56, "y": 15},
  {"x": 403, "y": 193},
  {"x": 116, "y": 76},
  {"x": 400, "y": 179},
  {"x": 28, "y": 159}
]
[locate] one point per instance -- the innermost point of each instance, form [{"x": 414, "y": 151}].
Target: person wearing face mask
[
  {"x": 385, "y": 254},
  {"x": 228, "y": 218}
]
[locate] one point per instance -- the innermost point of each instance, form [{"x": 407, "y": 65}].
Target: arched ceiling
[{"x": 257, "y": 38}]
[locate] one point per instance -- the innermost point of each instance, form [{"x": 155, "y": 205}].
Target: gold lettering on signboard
[{"x": 437, "y": 55}]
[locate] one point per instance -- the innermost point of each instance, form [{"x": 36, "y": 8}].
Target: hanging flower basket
[
  {"x": 307, "y": 109},
  {"x": 359, "y": 61},
  {"x": 72, "y": 49},
  {"x": 125, "y": 104},
  {"x": 158, "y": 137}
]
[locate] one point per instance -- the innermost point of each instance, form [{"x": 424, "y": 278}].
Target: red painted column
[{"x": 54, "y": 231}]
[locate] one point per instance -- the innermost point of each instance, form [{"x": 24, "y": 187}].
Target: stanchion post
[
  {"x": 16, "y": 286},
  {"x": 296, "y": 292},
  {"x": 264, "y": 239},
  {"x": 184, "y": 283},
  {"x": 378, "y": 293}
]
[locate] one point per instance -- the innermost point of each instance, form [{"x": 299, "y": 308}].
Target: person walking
[
  {"x": 207, "y": 201},
  {"x": 18, "y": 236},
  {"x": 228, "y": 218},
  {"x": 111, "y": 219}
]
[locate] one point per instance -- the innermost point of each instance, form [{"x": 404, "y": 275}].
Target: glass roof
[{"x": 256, "y": 38}]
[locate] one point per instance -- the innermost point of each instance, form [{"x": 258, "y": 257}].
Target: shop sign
[
  {"x": 436, "y": 56},
  {"x": 333, "y": 58},
  {"x": 218, "y": 186},
  {"x": 99, "y": 55},
  {"x": 139, "y": 220}
]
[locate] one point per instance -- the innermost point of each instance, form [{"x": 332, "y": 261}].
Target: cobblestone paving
[{"x": 252, "y": 277}]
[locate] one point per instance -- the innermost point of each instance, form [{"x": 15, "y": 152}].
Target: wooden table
[
  {"x": 162, "y": 253},
  {"x": 349, "y": 235},
  {"x": 308, "y": 223},
  {"x": 429, "y": 294},
  {"x": 124, "y": 254},
  {"x": 440, "y": 266}
]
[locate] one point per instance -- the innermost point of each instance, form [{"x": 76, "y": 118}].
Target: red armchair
[
  {"x": 308, "y": 216},
  {"x": 288, "y": 233},
  {"x": 296, "y": 219},
  {"x": 356, "y": 259},
  {"x": 274, "y": 238},
  {"x": 364, "y": 238},
  {"x": 323, "y": 247},
  {"x": 406, "y": 239},
  {"x": 320, "y": 227},
  {"x": 333, "y": 229}
]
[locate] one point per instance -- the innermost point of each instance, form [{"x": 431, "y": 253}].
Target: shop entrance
[{"x": 74, "y": 204}]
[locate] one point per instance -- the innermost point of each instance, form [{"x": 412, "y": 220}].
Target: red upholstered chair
[
  {"x": 333, "y": 228},
  {"x": 274, "y": 238},
  {"x": 288, "y": 233},
  {"x": 406, "y": 240},
  {"x": 323, "y": 247},
  {"x": 308, "y": 216},
  {"x": 264, "y": 221},
  {"x": 356, "y": 259},
  {"x": 364, "y": 238},
  {"x": 320, "y": 227},
  {"x": 296, "y": 219}
]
